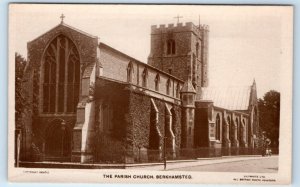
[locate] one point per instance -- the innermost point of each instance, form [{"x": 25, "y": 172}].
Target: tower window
[
  {"x": 145, "y": 78},
  {"x": 157, "y": 80},
  {"x": 171, "y": 48},
  {"x": 61, "y": 76}
]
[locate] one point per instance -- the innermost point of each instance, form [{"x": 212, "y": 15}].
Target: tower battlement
[
  {"x": 181, "y": 49},
  {"x": 180, "y": 27}
]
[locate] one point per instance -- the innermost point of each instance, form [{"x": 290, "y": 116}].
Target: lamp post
[
  {"x": 165, "y": 153},
  {"x": 63, "y": 128}
]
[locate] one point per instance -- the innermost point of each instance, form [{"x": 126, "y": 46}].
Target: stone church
[{"x": 93, "y": 103}]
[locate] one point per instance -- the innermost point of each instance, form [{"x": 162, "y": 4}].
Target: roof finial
[
  {"x": 178, "y": 17},
  {"x": 62, "y": 18}
]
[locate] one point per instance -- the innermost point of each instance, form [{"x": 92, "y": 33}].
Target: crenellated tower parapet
[
  {"x": 180, "y": 27},
  {"x": 181, "y": 50}
]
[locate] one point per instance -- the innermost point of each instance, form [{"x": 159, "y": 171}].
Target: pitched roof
[
  {"x": 232, "y": 98},
  {"x": 188, "y": 87},
  {"x": 68, "y": 26},
  {"x": 78, "y": 30}
]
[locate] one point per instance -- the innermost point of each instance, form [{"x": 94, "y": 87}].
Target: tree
[
  {"x": 20, "y": 100},
  {"x": 269, "y": 115}
]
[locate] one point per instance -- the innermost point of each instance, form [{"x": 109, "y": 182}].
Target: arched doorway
[{"x": 58, "y": 141}]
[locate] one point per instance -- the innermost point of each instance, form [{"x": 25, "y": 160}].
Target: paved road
[{"x": 260, "y": 165}]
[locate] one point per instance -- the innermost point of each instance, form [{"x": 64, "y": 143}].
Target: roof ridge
[
  {"x": 78, "y": 30},
  {"x": 66, "y": 25}
]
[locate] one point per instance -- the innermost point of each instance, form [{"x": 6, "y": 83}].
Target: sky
[{"x": 245, "y": 42}]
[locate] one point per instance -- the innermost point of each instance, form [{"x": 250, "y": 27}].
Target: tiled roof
[{"x": 232, "y": 98}]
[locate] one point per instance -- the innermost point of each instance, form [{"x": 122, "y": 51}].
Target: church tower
[{"x": 182, "y": 51}]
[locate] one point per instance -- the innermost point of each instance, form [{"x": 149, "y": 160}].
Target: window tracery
[{"x": 61, "y": 76}]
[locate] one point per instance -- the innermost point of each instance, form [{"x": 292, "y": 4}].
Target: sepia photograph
[{"x": 150, "y": 93}]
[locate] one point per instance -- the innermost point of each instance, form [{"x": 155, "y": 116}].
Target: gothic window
[
  {"x": 218, "y": 126},
  {"x": 145, "y": 78},
  {"x": 157, "y": 80},
  {"x": 171, "y": 48},
  {"x": 245, "y": 129},
  {"x": 177, "y": 90},
  {"x": 61, "y": 76},
  {"x": 129, "y": 72},
  {"x": 230, "y": 127},
  {"x": 168, "y": 85},
  {"x": 238, "y": 128}
]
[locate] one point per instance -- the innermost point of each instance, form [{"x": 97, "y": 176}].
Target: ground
[
  {"x": 269, "y": 165},
  {"x": 247, "y": 164},
  {"x": 228, "y": 164}
]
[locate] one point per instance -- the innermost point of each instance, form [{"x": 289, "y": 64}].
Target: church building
[{"x": 91, "y": 103}]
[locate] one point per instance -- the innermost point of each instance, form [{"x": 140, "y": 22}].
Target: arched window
[
  {"x": 171, "y": 48},
  {"x": 168, "y": 85},
  {"x": 238, "y": 131},
  {"x": 157, "y": 80},
  {"x": 61, "y": 76},
  {"x": 129, "y": 72},
  {"x": 230, "y": 127},
  {"x": 245, "y": 134},
  {"x": 218, "y": 126},
  {"x": 178, "y": 91},
  {"x": 145, "y": 78}
]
